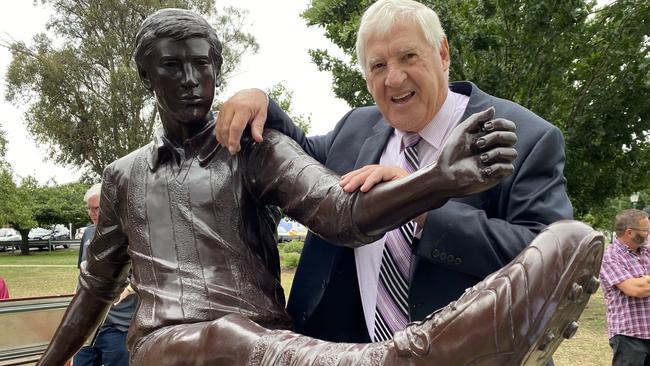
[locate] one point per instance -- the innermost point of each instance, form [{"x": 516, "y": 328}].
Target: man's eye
[
  {"x": 411, "y": 55},
  {"x": 170, "y": 64},
  {"x": 376, "y": 67}
]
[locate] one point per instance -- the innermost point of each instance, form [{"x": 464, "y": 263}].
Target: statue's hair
[
  {"x": 177, "y": 24},
  {"x": 628, "y": 219},
  {"x": 381, "y": 16},
  {"x": 93, "y": 191}
]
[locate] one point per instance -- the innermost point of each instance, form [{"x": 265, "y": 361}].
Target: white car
[
  {"x": 80, "y": 232},
  {"x": 8, "y": 234}
]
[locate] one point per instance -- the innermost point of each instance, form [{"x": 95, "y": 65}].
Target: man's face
[
  {"x": 406, "y": 76},
  {"x": 640, "y": 232},
  {"x": 92, "y": 207},
  {"x": 182, "y": 76}
]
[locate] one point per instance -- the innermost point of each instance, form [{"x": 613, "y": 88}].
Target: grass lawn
[{"x": 49, "y": 273}]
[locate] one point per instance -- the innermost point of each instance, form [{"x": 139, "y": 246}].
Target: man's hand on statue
[
  {"x": 478, "y": 153},
  {"x": 370, "y": 175},
  {"x": 247, "y": 106},
  {"x": 123, "y": 295}
]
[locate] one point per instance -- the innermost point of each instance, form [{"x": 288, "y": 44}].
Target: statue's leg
[
  {"x": 517, "y": 315},
  {"x": 227, "y": 341}
]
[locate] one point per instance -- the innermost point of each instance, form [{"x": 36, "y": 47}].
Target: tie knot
[{"x": 410, "y": 139}]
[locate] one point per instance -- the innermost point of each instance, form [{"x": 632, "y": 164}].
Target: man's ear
[
  {"x": 144, "y": 77},
  {"x": 444, "y": 54}
]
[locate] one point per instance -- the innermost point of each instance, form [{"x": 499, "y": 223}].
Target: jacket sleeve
[
  {"x": 280, "y": 173},
  {"x": 315, "y": 146},
  {"x": 102, "y": 279},
  {"x": 484, "y": 236}
]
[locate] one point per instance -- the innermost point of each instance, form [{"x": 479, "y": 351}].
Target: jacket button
[
  {"x": 458, "y": 261},
  {"x": 450, "y": 258},
  {"x": 443, "y": 256},
  {"x": 435, "y": 253}
]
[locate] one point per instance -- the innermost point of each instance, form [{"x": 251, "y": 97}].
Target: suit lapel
[
  {"x": 374, "y": 145},
  {"x": 478, "y": 100}
]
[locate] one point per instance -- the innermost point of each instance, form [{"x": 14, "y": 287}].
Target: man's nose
[
  {"x": 395, "y": 76},
  {"x": 190, "y": 78}
]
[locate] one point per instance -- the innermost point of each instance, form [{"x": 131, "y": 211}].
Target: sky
[{"x": 284, "y": 40}]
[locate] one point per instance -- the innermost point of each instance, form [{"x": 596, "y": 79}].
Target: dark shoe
[{"x": 517, "y": 315}]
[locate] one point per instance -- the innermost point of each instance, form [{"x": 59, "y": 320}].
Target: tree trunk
[{"x": 24, "y": 244}]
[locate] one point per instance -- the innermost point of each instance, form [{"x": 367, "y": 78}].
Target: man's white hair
[
  {"x": 380, "y": 17},
  {"x": 95, "y": 190}
]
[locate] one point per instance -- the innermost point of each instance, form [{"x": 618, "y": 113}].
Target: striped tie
[{"x": 391, "y": 313}]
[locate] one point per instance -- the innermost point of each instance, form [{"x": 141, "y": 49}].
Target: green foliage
[
  {"x": 61, "y": 204},
  {"x": 293, "y": 246},
  {"x": 28, "y": 205},
  {"x": 290, "y": 254},
  {"x": 283, "y": 97},
  {"x": 585, "y": 69},
  {"x": 289, "y": 260},
  {"x": 86, "y": 102}
]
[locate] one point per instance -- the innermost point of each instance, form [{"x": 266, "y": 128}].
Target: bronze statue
[{"x": 197, "y": 226}]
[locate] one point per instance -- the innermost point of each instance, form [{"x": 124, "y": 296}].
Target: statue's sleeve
[{"x": 280, "y": 173}]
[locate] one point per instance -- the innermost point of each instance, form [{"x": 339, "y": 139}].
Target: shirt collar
[
  {"x": 435, "y": 131},
  {"x": 203, "y": 144},
  {"x": 621, "y": 246}
]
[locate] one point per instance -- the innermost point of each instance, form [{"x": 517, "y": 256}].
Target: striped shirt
[{"x": 626, "y": 315}]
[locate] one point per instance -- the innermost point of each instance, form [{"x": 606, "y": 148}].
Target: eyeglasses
[
  {"x": 646, "y": 231},
  {"x": 92, "y": 209}
]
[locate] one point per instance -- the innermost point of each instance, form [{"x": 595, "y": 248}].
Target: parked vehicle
[
  {"x": 60, "y": 232},
  {"x": 8, "y": 234},
  {"x": 79, "y": 233},
  {"x": 39, "y": 233}
]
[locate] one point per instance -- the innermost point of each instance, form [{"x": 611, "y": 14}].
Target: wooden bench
[{"x": 27, "y": 325}]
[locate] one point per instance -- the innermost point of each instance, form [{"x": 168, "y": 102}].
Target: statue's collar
[{"x": 203, "y": 145}]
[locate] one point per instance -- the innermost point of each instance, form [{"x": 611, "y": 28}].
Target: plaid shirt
[{"x": 626, "y": 315}]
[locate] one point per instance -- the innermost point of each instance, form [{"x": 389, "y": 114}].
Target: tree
[
  {"x": 60, "y": 204},
  {"x": 20, "y": 209},
  {"x": 283, "y": 97},
  {"x": 586, "y": 70},
  {"x": 86, "y": 102}
]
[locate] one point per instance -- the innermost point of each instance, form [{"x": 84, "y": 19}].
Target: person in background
[
  {"x": 4, "y": 290},
  {"x": 109, "y": 345},
  {"x": 625, "y": 275}
]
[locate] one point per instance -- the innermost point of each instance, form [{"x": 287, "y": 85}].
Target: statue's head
[{"x": 178, "y": 57}]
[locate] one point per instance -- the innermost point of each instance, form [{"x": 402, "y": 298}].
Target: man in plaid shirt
[{"x": 626, "y": 284}]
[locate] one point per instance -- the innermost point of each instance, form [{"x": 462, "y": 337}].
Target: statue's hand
[{"x": 478, "y": 154}]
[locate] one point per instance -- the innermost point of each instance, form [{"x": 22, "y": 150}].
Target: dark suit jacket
[{"x": 462, "y": 241}]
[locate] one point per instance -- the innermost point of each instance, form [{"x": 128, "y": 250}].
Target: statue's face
[{"x": 182, "y": 76}]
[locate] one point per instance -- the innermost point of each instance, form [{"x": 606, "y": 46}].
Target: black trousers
[{"x": 630, "y": 351}]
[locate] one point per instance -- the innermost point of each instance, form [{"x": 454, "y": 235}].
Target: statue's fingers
[
  {"x": 498, "y": 155},
  {"x": 495, "y": 139},
  {"x": 474, "y": 122},
  {"x": 498, "y": 124},
  {"x": 497, "y": 171}
]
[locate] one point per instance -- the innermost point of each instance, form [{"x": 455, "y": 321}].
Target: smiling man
[{"x": 197, "y": 225}]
